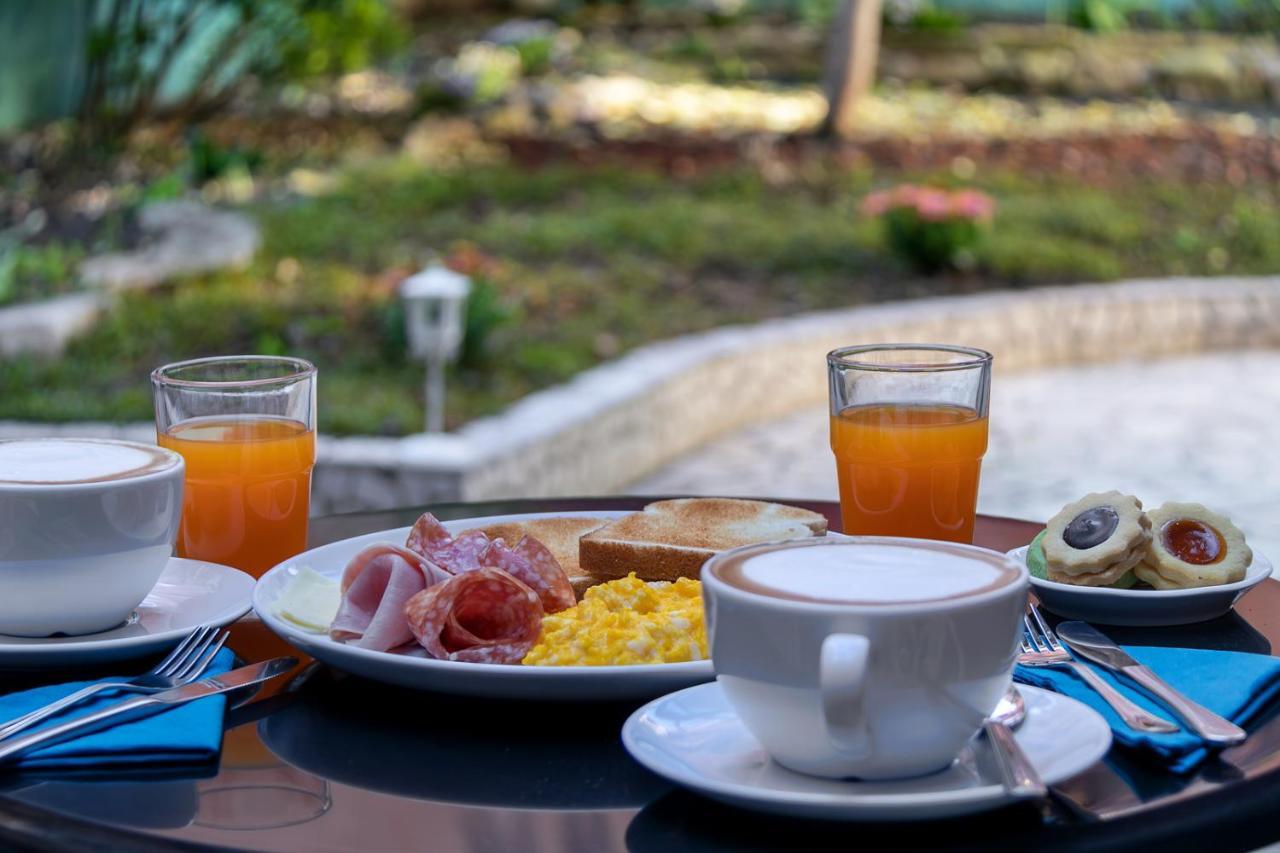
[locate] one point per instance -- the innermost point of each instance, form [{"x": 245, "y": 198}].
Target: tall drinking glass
[
  {"x": 246, "y": 427},
  {"x": 909, "y": 430}
]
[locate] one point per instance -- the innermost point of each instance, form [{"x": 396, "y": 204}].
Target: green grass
[{"x": 587, "y": 263}]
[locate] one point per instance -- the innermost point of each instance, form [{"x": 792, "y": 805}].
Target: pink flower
[
  {"x": 933, "y": 205},
  {"x": 971, "y": 204},
  {"x": 930, "y": 204},
  {"x": 876, "y": 203}
]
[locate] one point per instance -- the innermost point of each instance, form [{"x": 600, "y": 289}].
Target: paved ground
[{"x": 1201, "y": 429}]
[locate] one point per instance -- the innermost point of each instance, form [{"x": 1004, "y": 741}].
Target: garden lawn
[{"x": 578, "y": 265}]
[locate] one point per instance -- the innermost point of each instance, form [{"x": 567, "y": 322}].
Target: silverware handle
[
  {"x": 139, "y": 706},
  {"x": 1020, "y": 777},
  {"x": 1135, "y": 716},
  {"x": 29, "y": 719},
  {"x": 1202, "y": 721}
]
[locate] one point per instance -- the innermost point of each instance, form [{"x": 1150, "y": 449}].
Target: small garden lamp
[{"x": 433, "y": 309}]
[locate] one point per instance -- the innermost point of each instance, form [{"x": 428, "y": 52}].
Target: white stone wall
[{"x": 613, "y": 424}]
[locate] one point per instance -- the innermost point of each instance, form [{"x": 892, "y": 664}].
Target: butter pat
[{"x": 310, "y": 601}]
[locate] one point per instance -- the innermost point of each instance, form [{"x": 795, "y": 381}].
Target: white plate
[
  {"x": 695, "y": 739},
  {"x": 472, "y": 679},
  {"x": 1144, "y": 607},
  {"x": 189, "y": 593}
]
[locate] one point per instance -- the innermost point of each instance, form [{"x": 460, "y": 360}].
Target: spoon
[{"x": 1020, "y": 776}]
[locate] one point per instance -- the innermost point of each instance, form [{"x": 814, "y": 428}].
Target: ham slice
[
  {"x": 376, "y": 584},
  {"x": 482, "y": 616}
]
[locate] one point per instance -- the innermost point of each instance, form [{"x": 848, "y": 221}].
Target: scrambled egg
[{"x": 626, "y": 621}]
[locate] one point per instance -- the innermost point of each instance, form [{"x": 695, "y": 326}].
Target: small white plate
[
  {"x": 695, "y": 739},
  {"x": 189, "y": 593},
  {"x": 1144, "y": 607},
  {"x": 511, "y": 681}
]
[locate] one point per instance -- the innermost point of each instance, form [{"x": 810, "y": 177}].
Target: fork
[
  {"x": 183, "y": 665},
  {"x": 1041, "y": 647}
]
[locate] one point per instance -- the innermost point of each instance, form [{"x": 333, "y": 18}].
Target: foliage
[
  {"x": 1259, "y": 16},
  {"x": 32, "y": 272},
  {"x": 922, "y": 16},
  {"x": 931, "y": 229},
  {"x": 1102, "y": 16},
  {"x": 208, "y": 160},
  {"x": 339, "y": 36},
  {"x": 135, "y": 46},
  {"x": 574, "y": 265}
]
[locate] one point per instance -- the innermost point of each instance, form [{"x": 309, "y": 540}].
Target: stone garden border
[{"x": 613, "y": 424}]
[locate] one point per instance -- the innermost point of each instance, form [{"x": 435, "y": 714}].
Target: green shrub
[
  {"x": 931, "y": 229},
  {"x": 38, "y": 272}
]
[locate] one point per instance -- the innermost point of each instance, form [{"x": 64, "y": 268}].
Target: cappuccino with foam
[
  {"x": 86, "y": 528},
  {"x": 867, "y": 571},
  {"x": 51, "y": 461},
  {"x": 866, "y": 657}
]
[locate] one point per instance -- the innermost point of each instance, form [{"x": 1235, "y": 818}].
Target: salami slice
[
  {"x": 463, "y": 554},
  {"x": 375, "y": 586},
  {"x": 430, "y": 539},
  {"x": 427, "y": 535},
  {"x": 483, "y": 616},
  {"x": 531, "y": 563}
]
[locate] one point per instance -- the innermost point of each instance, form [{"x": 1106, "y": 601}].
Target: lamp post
[{"x": 433, "y": 310}]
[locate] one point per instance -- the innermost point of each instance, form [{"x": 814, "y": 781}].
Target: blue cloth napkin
[
  {"x": 185, "y": 734},
  {"x": 1235, "y": 685}
]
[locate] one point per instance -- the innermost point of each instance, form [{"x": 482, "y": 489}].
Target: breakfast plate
[
  {"x": 693, "y": 738},
  {"x": 1144, "y": 607},
  {"x": 189, "y": 593},
  {"x": 512, "y": 681}
]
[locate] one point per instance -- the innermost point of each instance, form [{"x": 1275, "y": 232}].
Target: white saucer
[
  {"x": 694, "y": 738},
  {"x": 189, "y": 593},
  {"x": 1144, "y": 607}
]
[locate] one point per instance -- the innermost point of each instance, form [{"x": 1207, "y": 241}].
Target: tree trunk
[{"x": 851, "y": 63}]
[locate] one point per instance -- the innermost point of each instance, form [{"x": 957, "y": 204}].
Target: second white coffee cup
[
  {"x": 864, "y": 657},
  {"x": 86, "y": 528}
]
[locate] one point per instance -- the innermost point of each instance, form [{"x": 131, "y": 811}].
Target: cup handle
[{"x": 842, "y": 667}]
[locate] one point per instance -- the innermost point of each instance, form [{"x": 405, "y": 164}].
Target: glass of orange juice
[
  {"x": 909, "y": 430},
  {"x": 246, "y": 427}
]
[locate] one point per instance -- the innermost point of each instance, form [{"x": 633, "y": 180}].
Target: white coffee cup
[
  {"x": 863, "y": 657},
  {"x": 86, "y": 528}
]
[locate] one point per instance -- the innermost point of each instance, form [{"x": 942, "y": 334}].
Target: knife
[
  {"x": 1088, "y": 642},
  {"x": 145, "y": 706}
]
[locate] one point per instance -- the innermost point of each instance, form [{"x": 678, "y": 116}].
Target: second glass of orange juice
[
  {"x": 246, "y": 427},
  {"x": 909, "y": 430}
]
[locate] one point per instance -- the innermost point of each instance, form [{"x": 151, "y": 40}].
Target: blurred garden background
[{"x": 199, "y": 177}]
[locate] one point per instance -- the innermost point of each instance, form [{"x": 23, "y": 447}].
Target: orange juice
[
  {"x": 909, "y": 469},
  {"x": 248, "y": 489}
]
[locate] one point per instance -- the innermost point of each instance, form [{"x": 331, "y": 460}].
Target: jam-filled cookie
[
  {"x": 1096, "y": 540},
  {"x": 1036, "y": 566},
  {"x": 1152, "y": 578},
  {"x": 1193, "y": 546}
]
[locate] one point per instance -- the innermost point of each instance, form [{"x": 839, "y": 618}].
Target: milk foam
[
  {"x": 69, "y": 460},
  {"x": 863, "y": 572}
]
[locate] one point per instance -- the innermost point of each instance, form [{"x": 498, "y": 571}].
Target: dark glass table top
[{"x": 333, "y": 762}]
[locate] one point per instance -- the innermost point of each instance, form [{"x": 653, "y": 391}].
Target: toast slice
[
  {"x": 560, "y": 534},
  {"x": 672, "y": 539}
]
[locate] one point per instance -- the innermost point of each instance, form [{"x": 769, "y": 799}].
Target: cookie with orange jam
[
  {"x": 1096, "y": 540},
  {"x": 1193, "y": 546}
]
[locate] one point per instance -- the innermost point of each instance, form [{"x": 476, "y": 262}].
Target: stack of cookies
[
  {"x": 1106, "y": 540},
  {"x": 1097, "y": 540}
]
